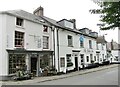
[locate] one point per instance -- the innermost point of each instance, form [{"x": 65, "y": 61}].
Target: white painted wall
[
  {"x": 3, "y": 53},
  {"x": 102, "y": 51},
  {"x": 64, "y": 49},
  {"x": 7, "y": 35},
  {"x": 0, "y": 44}
]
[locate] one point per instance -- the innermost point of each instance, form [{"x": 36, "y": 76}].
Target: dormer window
[
  {"x": 19, "y": 22},
  {"x": 45, "y": 28}
]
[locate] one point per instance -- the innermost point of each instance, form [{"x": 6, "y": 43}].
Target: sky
[{"x": 64, "y": 9}]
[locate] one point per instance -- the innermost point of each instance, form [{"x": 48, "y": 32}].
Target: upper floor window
[
  {"x": 45, "y": 42},
  {"x": 45, "y": 28},
  {"x": 97, "y": 46},
  {"x": 19, "y": 22},
  {"x": 102, "y": 46},
  {"x": 19, "y": 39},
  {"x": 90, "y": 44},
  {"x": 70, "y": 41},
  {"x": 81, "y": 44},
  {"x": 81, "y": 41}
]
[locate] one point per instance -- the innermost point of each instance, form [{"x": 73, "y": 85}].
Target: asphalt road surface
[{"x": 104, "y": 77}]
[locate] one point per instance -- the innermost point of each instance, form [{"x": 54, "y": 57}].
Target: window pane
[
  {"x": 90, "y": 44},
  {"x": 19, "y": 21},
  {"x": 16, "y": 60},
  {"x": 45, "y": 28},
  {"x": 45, "y": 42},
  {"x": 70, "y": 41},
  {"x": 19, "y": 39},
  {"x": 62, "y": 62}
]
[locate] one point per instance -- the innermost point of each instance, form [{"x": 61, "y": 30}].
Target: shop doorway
[
  {"x": 76, "y": 63},
  {"x": 34, "y": 66}
]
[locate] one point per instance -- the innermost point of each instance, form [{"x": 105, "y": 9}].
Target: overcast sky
[{"x": 60, "y": 9}]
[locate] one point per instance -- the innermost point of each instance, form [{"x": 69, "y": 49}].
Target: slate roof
[
  {"x": 40, "y": 19},
  {"x": 101, "y": 39},
  {"x": 25, "y": 15},
  {"x": 55, "y": 23}
]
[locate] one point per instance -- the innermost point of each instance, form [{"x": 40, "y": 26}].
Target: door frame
[{"x": 76, "y": 63}]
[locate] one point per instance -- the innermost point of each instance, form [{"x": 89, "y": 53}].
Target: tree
[{"x": 110, "y": 14}]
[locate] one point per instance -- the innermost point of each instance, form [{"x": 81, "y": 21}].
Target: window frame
[
  {"x": 45, "y": 29},
  {"x": 82, "y": 44},
  {"x": 70, "y": 41},
  {"x": 46, "y": 42},
  {"x": 68, "y": 58},
  {"x": 62, "y": 61},
  {"x": 15, "y": 61},
  {"x": 90, "y": 44},
  {"x": 19, "y": 39},
  {"x": 19, "y": 22}
]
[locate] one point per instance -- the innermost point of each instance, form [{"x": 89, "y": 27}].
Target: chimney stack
[
  {"x": 74, "y": 22},
  {"x": 39, "y": 11}
]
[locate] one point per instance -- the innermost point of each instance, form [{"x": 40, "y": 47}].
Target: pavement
[{"x": 56, "y": 77}]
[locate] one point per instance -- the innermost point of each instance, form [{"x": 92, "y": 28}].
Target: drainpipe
[
  {"x": 58, "y": 50},
  {"x": 53, "y": 29}
]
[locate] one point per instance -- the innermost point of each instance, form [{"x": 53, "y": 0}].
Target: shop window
[
  {"x": 69, "y": 62},
  {"x": 16, "y": 61},
  {"x": 68, "y": 57},
  {"x": 19, "y": 39},
  {"x": 46, "y": 61},
  {"x": 62, "y": 61}
]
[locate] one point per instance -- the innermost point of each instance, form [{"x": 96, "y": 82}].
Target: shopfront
[{"x": 30, "y": 61}]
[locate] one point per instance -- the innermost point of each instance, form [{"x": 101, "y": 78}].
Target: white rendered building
[{"x": 33, "y": 41}]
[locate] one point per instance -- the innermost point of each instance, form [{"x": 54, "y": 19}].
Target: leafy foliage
[{"x": 110, "y": 14}]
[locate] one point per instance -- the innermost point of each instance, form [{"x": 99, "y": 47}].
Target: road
[{"x": 104, "y": 77}]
